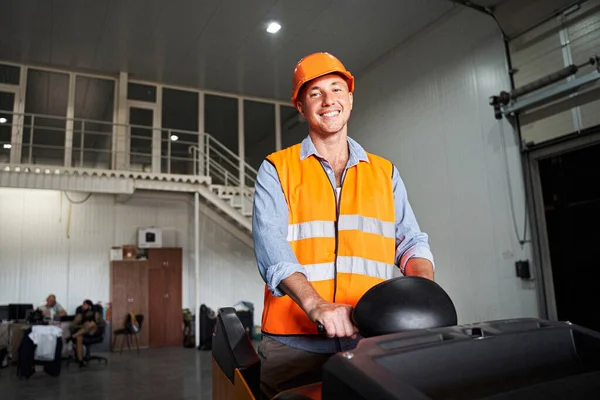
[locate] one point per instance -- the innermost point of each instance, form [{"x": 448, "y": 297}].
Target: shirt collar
[{"x": 357, "y": 153}]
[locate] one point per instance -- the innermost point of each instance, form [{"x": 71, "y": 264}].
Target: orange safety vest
[{"x": 346, "y": 251}]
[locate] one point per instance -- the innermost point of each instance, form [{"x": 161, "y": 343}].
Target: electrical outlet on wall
[{"x": 522, "y": 269}]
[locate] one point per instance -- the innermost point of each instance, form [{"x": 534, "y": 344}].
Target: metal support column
[
  {"x": 157, "y": 134},
  {"x": 197, "y": 263},
  {"x": 277, "y": 127},
  {"x": 241, "y": 142},
  {"x": 69, "y": 123},
  {"x": 201, "y": 136},
  {"x": 19, "y": 119},
  {"x": 121, "y": 133}
]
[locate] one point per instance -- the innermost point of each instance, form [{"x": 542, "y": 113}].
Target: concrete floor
[{"x": 174, "y": 373}]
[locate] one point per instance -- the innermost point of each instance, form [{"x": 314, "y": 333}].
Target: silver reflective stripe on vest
[
  {"x": 306, "y": 230},
  {"x": 357, "y": 222},
  {"x": 320, "y": 272},
  {"x": 346, "y": 264},
  {"x": 362, "y": 266}
]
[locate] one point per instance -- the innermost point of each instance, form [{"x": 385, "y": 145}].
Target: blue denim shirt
[{"x": 275, "y": 258}]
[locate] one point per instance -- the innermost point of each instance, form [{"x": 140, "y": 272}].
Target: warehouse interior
[{"x": 131, "y": 134}]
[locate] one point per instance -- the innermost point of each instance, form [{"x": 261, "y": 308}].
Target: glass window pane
[
  {"x": 180, "y": 110},
  {"x": 94, "y": 98},
  {"x": 7, "y": 103},
  {"x": 141, "y": 121},
  {"x": 137, "y": 91},
  {"x": 259, "y": 130},
  {"x": 10, "y": 74},
  {"x": 46, "y": 105},
  {"x": 180, "y": 130},
  {"x": 221, "y": 122},
  {"x": 92, "y": 129},
  {"x": 293, "y": 127}
]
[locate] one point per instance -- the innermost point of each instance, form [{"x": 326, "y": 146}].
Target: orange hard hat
[{"x": 314, "y": 66}]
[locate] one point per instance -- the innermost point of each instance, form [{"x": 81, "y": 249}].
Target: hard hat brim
[{"x": 345, "y": 74}]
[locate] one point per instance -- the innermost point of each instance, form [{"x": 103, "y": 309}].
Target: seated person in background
[
  {"x": 88, "y": 321},
  {"x": 52, "y": 309}
]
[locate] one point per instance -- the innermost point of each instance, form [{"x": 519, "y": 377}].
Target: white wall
[
  {"x": 425, "y": 107},
  {"x": 37, "y": 257}
]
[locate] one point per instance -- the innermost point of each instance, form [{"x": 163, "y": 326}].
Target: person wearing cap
[{"x": 329, "y": 222}]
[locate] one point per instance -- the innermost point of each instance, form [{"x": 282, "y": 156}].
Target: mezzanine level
[{"x": 48, "y": 152}]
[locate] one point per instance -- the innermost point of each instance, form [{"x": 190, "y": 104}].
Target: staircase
[
  {"x": 226, "y": 171},
  {"x": 233, "y": 196}
]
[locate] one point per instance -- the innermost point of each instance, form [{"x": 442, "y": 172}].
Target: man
[
  {"x": 88, "y": 321},
  {"x": 330, "y": 221},
  {"x": 52, "y": 309}
]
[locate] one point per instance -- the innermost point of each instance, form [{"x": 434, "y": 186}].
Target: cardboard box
[
  {"x": 116, "y": 253},
  {"x": 129, "y": 252}
]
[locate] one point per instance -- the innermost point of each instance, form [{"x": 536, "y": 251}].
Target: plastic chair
[{"x": 128, "y": 332}]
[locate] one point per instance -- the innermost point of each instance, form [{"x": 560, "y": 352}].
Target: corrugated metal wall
[
  {"x": 562, "y": 41},
  {"x": 425, "y": 107},
  {"x": 41, "y": 253}
]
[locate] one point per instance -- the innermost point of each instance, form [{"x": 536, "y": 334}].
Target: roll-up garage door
[{"x": 570, "y": 38}]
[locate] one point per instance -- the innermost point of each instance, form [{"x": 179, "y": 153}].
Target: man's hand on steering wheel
[{"x": 335, "y": 318}]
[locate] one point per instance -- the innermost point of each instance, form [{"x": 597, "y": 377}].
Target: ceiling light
[
  {"x": 7, "y": 145},
  {"x": 273, "y": 27},
  {"x": 3, "y": 120},
  {"x": 174, "y": 137}
]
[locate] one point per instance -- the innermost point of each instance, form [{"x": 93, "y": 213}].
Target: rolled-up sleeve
[
  {"x": 410, "y": 240},
  {"x": 274, "y": 255}
]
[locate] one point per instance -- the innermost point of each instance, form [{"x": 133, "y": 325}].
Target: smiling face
[{"x": 326, "y": 103}]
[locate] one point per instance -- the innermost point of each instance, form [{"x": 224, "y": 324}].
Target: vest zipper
[
  {"x": 337, "y": 217},
  {"x": 338, "y": 204}
]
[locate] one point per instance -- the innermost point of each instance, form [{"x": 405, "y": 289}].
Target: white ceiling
[
  {"x": 212, "y": 44},
  {"x": 222, "y": 45},
  {"x": 219, "y": 45}
]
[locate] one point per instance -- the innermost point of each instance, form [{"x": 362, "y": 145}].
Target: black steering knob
[
  {"x": 400, "y": 305},
  {"x": 321, "y": 328}
]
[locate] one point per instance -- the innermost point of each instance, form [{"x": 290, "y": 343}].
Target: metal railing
[
  {"x": 214, "y": 159},
  {"x": 48, "y": 140}
]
